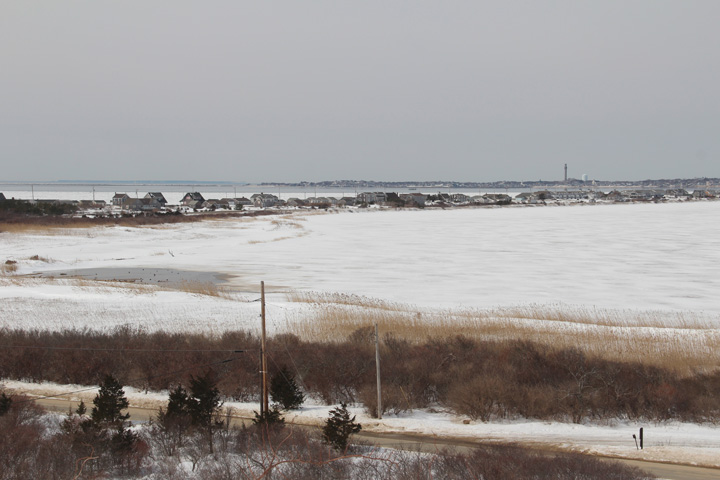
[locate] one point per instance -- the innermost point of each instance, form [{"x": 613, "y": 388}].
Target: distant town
[
  {"x": 556, "y": 193},
  {"x": 686, "y": 183}
]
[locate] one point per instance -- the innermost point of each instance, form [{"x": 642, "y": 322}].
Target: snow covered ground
[
  {"x": 657, "y": 257},
  {"x": 655, "y": 261}
]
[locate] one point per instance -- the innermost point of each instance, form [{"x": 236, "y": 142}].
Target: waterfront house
[
  {"x": 119, "y": 199},
  {"x": 192, "y": 199},
  {"x": 159, "y": 197}
]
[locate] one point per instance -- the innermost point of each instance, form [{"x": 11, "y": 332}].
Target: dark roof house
[
  {"x": 191, "y": 199},
  {"x": 157, "y": 196}
]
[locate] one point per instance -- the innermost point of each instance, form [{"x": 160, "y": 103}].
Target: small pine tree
[
  {"x": 109, "y": 403},
  {"x": 178, "y": 404},
  {"x": 272, "y": 417},
  {"x": 196, "y": 409},
  {"x": 285, "y": 391},
  {"x": 338, "y": 428},
  {"x": 204, "y": 400},
  {"x": 81, "y": 409},
  {"x": 176, "y": 417}
]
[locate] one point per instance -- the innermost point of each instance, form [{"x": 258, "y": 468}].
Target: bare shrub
[
  {"x": 480, "y": 379},
  {"x": 9, "y": 267},
  {"x": 26, "y": 451},
  {"x": 478, "y": 398}
]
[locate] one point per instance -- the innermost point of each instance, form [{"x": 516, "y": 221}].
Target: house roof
[
  {"x": 158, "y": 195},
  {"x": 196, "y": 196}
]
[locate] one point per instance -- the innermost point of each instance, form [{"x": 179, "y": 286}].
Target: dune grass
[
  {"x": 682, "y": 343},
  {"x": 209, "y": 289}
]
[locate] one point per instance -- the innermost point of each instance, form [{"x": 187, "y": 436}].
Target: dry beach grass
[{"x": 680, "y": 343}]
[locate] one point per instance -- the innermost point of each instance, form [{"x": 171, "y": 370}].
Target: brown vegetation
[
  {"x": 8, "y": 267},
  {"x": 683, "y": 343},
  {"x": 479, "y": 379},
  {"x": 18, "y": 223}
]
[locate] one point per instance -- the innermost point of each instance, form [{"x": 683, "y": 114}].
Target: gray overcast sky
[{"x": 377, "y": 90}]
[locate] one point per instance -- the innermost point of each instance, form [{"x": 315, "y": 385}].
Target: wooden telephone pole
[
  {"x": 263, "y": 357},
  {"x": 377, "y": 372}
]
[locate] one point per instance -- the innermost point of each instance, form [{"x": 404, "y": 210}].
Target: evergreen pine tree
[
  {"x": 203, "y": 403},
  {"x": 338, "y": 428},
  {"x": 109, "y": 404},
  {"x": 270, "y": 418},
  {"x": 285, "y": 391},
  {"x": 178, "y": 404},
  {"x": 204, "y": 400}
]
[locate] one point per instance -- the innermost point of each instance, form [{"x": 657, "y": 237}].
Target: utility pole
[
  {"x": 377, "y": 368},
  {"x": 264, "y": 400}
]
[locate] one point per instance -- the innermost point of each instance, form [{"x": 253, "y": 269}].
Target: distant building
[
  {"x": 192, "y": 199},
  {"x": 413, "y": 199},
  {"x": 677, "y": 193},
  {"x": 615, "y": 196},
  {"x": 2, "y": 197},
  {"x": 498, "y": 198},
  {"x": 570, "y": 195},
  {"x": 295, "y": 202},
  {"x": 157, "y": 196},
  {"x": 318, "y": 202},
  {"x": 263, "y": 200},
  {"x": 119, "y": 199},
  {"x": 645, "y": 194},
  {"x": 482, "y": 200},
  {"x": 372, "y": 197},
  {"x": 214, "y": 204},
  {"x": 459, "y": 198}
]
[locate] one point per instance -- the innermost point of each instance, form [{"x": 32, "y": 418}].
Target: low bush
[{"x": 478, "y": 379}]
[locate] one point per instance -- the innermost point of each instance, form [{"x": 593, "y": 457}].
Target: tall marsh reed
[{"x": 683, "y": 343}]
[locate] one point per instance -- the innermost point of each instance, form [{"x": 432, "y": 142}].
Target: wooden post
[
  {"x": 641, "y": 438},
  {"x": 377, "y": 369},
  {"x": 264, "y": 401}
]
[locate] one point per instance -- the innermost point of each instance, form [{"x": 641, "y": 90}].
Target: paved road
[
  {"x": 415, "y": 442},
  {"x": 422, "y": 443}
]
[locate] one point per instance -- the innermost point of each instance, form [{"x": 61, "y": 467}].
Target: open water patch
[{"x": 151, "y": 276}]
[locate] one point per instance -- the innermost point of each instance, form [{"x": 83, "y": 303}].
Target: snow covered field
[
  {"x": 650, "y": 257},
  {"x": 655, "y": 262},
  {"x": 640, "y": 265}
]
